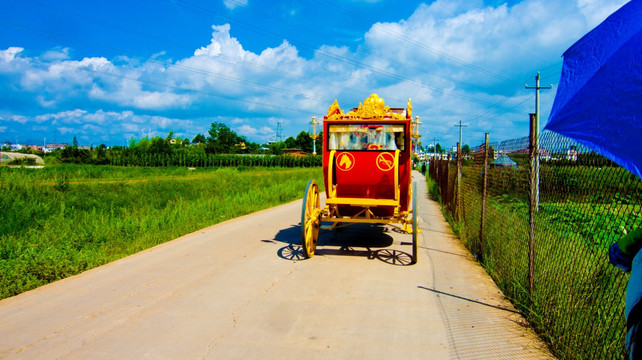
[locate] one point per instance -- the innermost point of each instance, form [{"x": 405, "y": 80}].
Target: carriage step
[{"x": 361, "y": 202}]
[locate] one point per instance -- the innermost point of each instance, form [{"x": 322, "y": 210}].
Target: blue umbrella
[{"x": 599, "y": 97}]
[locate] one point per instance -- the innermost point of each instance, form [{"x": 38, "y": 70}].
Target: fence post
[
  {"x": 534, "y": 157},
  {"x": 445, "y": 182},
  {"x": 459, "y": 170},
  {"x": 480, "y": 254}
]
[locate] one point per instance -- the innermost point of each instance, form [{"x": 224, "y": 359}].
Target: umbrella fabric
[{"x": 599, "y": 98}]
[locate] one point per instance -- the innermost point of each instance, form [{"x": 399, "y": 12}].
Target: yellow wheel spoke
[{"x": 310, "y": 219}]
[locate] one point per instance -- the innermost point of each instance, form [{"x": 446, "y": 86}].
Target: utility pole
[
  {"x": 434, "y": 149},
  {"x": 461, "y": 126},
  {"x": 459, "y": 168},
  {"x": 537, "y": 88}
]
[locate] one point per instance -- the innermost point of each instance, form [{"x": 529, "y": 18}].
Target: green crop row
[{"x": 200, "y": 160}]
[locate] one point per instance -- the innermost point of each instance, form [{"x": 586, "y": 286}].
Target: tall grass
[
  {"x": 577, "y": 302},
  {"x": 62, "y": 220}
]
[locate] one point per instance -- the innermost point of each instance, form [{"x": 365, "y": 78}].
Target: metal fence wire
[{"x": 547, "y": 249}]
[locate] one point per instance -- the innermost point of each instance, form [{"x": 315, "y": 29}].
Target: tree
[
  {"x": 290, "y": 143},
  {"x": 303, "y": 141},
  {"x": 160, "y": 146},
  {"x": 439, "y": 149},
  {"x": 222, "y": 139},
  {"x": 199, "y": 139},
  {"x": 465, "y": 149},
  {"x": 276, "y": 148},
  {"x": 74, "y": 142},
  {"x": 101, "y": 155}
]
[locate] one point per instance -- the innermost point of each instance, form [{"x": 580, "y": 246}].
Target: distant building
[
  {"x": 545, "y": 155},
  {"x": 293, "y": 152},
  {"x": 54, "y": 146},
  {"x": 571, "y": 154}
]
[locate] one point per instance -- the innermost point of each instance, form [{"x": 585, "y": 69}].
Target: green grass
[
  {"x": 577, "y": 303},
  {"x": 65, "y": 219}
]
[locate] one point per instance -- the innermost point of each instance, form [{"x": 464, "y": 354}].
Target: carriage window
[{"x": 366, "y": 137}]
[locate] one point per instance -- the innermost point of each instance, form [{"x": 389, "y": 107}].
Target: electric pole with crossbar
[{"x": 537, "y": 88}]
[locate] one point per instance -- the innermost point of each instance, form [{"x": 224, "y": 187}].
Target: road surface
[{"x": 241, "y": 290}]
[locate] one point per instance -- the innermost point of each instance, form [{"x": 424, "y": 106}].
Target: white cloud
[
  {"x": 454, "y": 58},
  {"x": 56, "y": 54},
  {"x": 65, "y": 117},
  {"x": 233, "y": 4},
  {"x": 247, "y": 130},
  {"x": 595, "y": 11},
  {"x": 10, "y": 54},
  {"x": 158, "y": 100},
  {"x": 19, "y": 119}
]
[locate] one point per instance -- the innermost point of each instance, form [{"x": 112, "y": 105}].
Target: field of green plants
[{"x": 64, "y": 219}]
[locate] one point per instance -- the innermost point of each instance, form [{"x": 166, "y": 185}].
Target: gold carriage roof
[{"x": 373, "y": 108}]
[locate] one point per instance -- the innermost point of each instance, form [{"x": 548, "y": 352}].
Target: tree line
[{"x": 155, "y": 151}]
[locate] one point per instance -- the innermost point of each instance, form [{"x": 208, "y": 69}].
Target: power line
[
  {"x": 353, "y": 15},
  {"x": 229, "y": 59},
  {"x": 200, "y": 9},
  {"x": 360, "y": 65},
  {"x": 357, "y": 64},
  {"x": 176, "y": 66}
]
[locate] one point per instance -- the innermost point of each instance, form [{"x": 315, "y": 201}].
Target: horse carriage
[{"x": 367, "y": 172}]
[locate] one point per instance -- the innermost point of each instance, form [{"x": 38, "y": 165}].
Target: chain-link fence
[{"x": 546, "y": 246}]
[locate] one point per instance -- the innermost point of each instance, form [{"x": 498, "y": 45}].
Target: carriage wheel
[
  {"x": 310, "y": 219},
  {"x": 415, "y": 229}
]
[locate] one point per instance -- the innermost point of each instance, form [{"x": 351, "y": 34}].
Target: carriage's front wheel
[
  {"x": 415, "y": 229},
  {"x": 310, "y": 219}
]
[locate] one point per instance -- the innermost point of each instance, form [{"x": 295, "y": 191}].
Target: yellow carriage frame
[{"x": 312, "y": 214}]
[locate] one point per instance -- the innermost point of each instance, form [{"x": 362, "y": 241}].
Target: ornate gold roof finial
[
  {"x": 373, "y": 107},
  {"x": 334, "y": 111},
  {"x": 409, "y": 109}
]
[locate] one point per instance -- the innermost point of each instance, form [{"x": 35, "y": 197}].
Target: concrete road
[{"x": 241, "y": 290}]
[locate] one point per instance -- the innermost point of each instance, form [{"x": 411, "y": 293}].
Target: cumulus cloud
[
  {"x": 262, "y": 134},
  {"x": 10, "y": 54},
  {"x": 455, "y": 58}
]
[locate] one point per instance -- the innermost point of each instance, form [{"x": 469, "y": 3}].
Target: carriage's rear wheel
[
  {"x": 310, "y": 219},
  {"x": 415, "y": 229}
]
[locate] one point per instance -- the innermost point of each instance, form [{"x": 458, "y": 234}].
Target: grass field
[
  {"x": 65, "y": 219},
  {"x": 577, "y": 300}
]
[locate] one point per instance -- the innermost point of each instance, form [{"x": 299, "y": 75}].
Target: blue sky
[{"x": 107, "y": 71}]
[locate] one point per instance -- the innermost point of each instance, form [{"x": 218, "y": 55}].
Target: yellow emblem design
[
  {"x": 385, "y": 161},
  {"x": 345, "y": 161}
]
